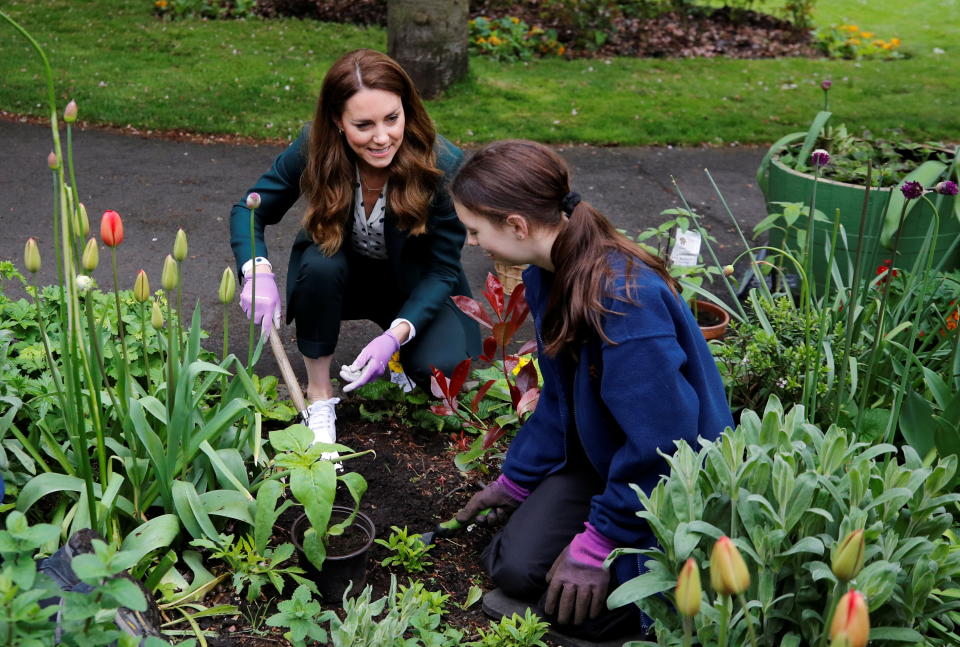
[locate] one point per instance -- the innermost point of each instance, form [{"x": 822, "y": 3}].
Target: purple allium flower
[
  {"x": 820, "y": 157},
  {"x": 912, "y": 189},
  {"x": 253, "y": 200},
  {"x": 825, "y": 84},
  {"x": 947, "y": 187}
]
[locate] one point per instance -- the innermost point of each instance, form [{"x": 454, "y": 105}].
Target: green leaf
[
  {"x": 192, "y": 512},
  {"x": 639, "y": 588},
  {"x": 896, "y": 634},
  {"x": 151, "y": 535},
  {"x": 805, "y": 545}
]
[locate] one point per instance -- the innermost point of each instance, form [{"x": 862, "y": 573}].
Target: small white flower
[
  {"x": 84, "y": 282},
  {"x": 782, "y": 382},
  {"x": 938, "y": 51}
]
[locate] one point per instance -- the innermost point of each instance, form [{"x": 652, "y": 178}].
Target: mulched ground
[
  {"x": 412, "y": 482},
  {"x": 697, "y": 32}
]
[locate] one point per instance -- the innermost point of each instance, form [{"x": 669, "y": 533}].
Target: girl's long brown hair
[
  {"x": 529, "y": 179},
  {"x": 328, "y": 180}
]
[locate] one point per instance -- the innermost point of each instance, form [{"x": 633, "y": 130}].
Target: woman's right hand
[
  {"x": 493, "y": 504},
  {"x": 266, "y": 311}
]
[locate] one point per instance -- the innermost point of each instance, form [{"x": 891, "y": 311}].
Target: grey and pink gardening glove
[
  {"x": 493, "y": 504},
  {"x": 266, "y": 311},
  {"x": 577, "y": 580}
]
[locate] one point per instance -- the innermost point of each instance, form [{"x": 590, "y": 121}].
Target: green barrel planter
[{"x": 783, "y": 184}]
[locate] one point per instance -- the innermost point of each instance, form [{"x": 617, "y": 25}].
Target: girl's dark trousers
[
  {"x": 349, "y": 286},
  {"x": 519, "y": 556}
]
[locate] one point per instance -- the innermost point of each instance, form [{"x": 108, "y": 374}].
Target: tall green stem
[
  {"x": 253, "y": 290},
  {"x": 125, "y": 367},
  {"x": 878, "y": 336},
  {"x": 748, "y": 619},
  {"x": 144, "y": 348}
]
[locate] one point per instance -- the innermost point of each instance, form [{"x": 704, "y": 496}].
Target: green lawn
[{"x": 260, "y": 78}]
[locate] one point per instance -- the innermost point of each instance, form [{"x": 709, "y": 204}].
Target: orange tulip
[
  {"x": 111, "y": 228},
  {"x": 851, "y": 619},
  {"x": 728, "y": 571}
]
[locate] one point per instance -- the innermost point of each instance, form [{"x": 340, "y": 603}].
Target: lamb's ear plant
[{"x": 790, "y": 496}]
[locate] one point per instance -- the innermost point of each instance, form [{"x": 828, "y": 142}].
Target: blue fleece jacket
[{"x": 625, "y": 401}]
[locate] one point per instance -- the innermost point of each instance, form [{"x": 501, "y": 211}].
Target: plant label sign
[{"x": 686, "y": 249}]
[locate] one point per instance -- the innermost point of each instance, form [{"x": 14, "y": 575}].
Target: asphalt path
[{"x": 160, "y": 185}]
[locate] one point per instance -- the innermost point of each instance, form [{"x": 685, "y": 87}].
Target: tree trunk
[{"x": 429, "y": 39}]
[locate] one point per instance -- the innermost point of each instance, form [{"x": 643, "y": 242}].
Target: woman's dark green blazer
[{"x": 427, "y": 266}]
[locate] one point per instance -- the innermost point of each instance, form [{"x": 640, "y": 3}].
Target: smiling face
[
  {"x": 373, "y": 123},
  {"x": 507, "y": 243}
]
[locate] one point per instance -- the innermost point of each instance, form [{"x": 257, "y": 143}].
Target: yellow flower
[
  {"x": 850, "y": 28},
  {"x": 853, "y": 41},
  {"x": 895, "y": 42},
  {"x": 515, "y": 21},
  {"x": 879, "y": 43},
  {"x": 481, "y": 40},
  {"x": 866, "y": 34},
  {"x": 495, "y": 41},
  {"x": 394, "y": 363},
  {"x": 520, "y": 364},
  {"x": 886, "y": 46},
  {"x": 561, "y": 50},
  {"x": 161, "y": 4}
]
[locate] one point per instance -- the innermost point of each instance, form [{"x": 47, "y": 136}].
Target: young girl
[
  {"x": 626, "y": 372},
  {"x": 380, "y": 238}
]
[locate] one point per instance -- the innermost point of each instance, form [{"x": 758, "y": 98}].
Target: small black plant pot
[{"x": 339, "y": 569}]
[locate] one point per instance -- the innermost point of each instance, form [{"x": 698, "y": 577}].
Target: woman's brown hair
[
  {"x": 328, "y": 180},
  {"x": 529, "y": 179}
]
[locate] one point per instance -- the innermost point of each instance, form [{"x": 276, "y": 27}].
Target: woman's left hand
[{"x": 371, "y": 362}]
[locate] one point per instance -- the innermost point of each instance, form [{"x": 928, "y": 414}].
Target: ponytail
[{"x": 529, "y": 179}]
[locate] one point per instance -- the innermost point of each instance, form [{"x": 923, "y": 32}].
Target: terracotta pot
[
  {"x": 712, "y": 319},
  {"x": 339, "y": 571}
]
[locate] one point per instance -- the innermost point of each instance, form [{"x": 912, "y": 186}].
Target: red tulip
[
  {"x": 111, "y": 228},
  {"x": 851, "y": 619}
]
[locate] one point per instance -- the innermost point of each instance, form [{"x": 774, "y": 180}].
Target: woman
[
  {"x": 626, "y": 372},
  {"x": 380, "y": 238}
]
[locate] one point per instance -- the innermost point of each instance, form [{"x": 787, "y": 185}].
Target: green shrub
[
  {"x": 849, "y": 41},
  {"x": 787, "y": 493},
  {"x": 510, "y": 39},
  {"x": 205, "y": 8}
]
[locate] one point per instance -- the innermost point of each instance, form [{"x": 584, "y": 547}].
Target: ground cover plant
[{"x": 612, "y": 100}]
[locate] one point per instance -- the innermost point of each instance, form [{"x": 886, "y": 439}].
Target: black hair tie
[{"x": 570, "y": 202}]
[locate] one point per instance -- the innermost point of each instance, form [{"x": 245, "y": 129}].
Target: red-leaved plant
[{"x": 524, "y": 387}]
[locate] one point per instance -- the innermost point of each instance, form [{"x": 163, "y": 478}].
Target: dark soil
[
  {"x": 695, "y": 32},
  {"x": 412, "y": 482}
]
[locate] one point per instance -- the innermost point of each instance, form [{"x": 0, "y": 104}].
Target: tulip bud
[
  {"x": 141, "y": 287},
  {"x": 848, "y": 556},
  {"x": 53, "y": 162},
  {"x": 156, "y": 316},
  {"x": 111, "y": 228},
  {"x": 85, "y": 283},
  {"x": 170, "y": 275},
  {"x": 91, "y": 256},
  {"x": 180, "y": 246},
  {"x": 728, "y": 571},
  {"x": 851, "y": 619},
  {"x": 253, "y": 200},
  {"x": 70, "y": 112},
  {"x": 688, "y": 589},
  {"x": 842, "y": 640},
  {"x": 728, "y": 270},
  {"x": 228, "y": 287},
  {"x": 83, "y": 221},
  {"x": 31, "y": 256}
]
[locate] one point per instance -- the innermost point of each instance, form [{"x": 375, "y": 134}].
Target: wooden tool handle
[{"x": 286, "y": 371}]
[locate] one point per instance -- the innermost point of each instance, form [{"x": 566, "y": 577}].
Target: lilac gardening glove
[
  {"x": 499, "y": 499},
  {"x": 371, "y": 362},
  {"x": 578, "y": 581},
  {"x": 266, "y": 311}
]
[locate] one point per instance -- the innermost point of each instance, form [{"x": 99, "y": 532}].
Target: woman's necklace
[{"x": 370, "y": 189}]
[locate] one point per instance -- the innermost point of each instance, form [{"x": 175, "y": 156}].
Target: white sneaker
[{"x": 321, "y": 419}]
